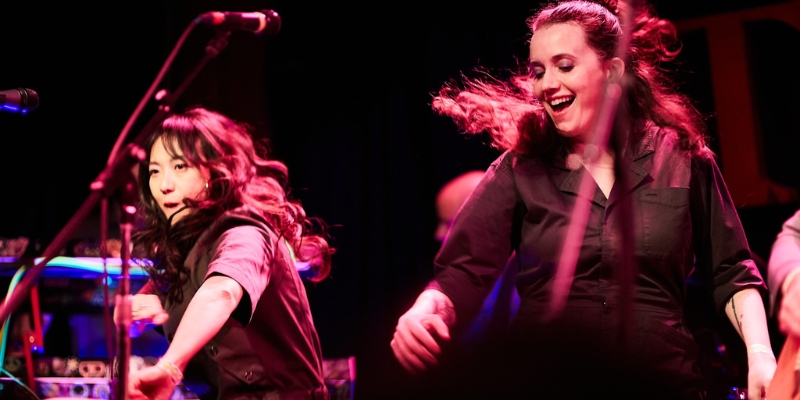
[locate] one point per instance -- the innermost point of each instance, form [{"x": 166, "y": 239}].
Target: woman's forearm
[
  {"x": 747, "y": 313},
  {"x": 208, "y": 311}
]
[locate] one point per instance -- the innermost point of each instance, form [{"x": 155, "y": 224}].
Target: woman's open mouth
[{"x": 560, "y": 104}]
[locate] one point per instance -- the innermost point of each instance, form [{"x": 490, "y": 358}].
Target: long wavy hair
[
  {"x": 240, "y": 174},
  {"x": 515, "y": 120}
]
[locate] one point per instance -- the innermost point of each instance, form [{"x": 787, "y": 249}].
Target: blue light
[
  {"x": 11, "y": 107},
  {"x": 14, "y": 108}
]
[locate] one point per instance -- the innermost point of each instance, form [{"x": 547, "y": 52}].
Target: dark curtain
[{"x": 342, "y": 93}]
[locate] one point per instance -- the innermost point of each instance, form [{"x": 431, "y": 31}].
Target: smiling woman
[
  {"x": 657, "y": 211},
  {"x": 569, "y": 78}
]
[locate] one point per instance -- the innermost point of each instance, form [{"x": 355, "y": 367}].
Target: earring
[{"x": 206, "y": 184}]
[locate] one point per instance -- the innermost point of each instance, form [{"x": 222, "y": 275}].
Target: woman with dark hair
[
  {"x": 222, "y": 238},
  {"x": 612, "y": 323}
]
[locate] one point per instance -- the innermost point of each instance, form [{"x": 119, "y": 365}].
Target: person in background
[
  {"x": 658, "y": 211},
  {"x": 222, "y": 236},
  {"x": 782, "y": 269},
  {"x": 450, "y": 197},
  {"x": 501, "y": 304}
]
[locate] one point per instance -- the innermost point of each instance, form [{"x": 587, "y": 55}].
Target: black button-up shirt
[{"x": 681, "y": 218}]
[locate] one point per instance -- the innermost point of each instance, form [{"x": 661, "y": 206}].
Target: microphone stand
[
  {"x": 117, "y": 181},
  {"x": 609, "y": 120}
]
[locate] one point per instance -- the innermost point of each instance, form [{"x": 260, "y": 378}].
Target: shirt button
[
  {"x": 213, "y": 350},
  {"x": 248, "y": 375}
]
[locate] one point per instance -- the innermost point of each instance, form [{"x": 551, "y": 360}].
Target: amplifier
[
  {"x": 72, "y": 377},
  {"x": 85, "y": 388}
]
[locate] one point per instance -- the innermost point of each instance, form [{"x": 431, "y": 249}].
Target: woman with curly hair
[
  {"x": 222, "y": 238},
  {"x": 602, "y": 272}
]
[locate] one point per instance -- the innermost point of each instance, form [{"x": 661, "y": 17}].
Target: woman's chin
[
  {"x": 568, "y": 133},
  {"x": 176, "y": 215},
  {"x": 574, "y": 134}
]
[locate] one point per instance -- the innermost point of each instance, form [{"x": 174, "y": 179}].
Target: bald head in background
[
  {"x": 450, "y": 198},
  {"x": 502, "y": 303}
]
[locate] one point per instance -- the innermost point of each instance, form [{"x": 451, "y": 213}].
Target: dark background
[{"x": 342, "y": 92}]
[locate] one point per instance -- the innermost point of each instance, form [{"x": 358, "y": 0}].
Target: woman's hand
[
  {"x": 150, "y": 383},
  {"x": 414, "y": 344},
  {"x": 761, "y": 368},
  {"x": 146, "y": 311}
]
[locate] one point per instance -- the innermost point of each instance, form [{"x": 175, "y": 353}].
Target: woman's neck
[
  {"x": 599, "y": 164},
  {"x": 589, "y": 154}
]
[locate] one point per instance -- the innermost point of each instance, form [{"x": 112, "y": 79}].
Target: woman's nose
[
  {"x": 549, "y": 82},
  {"x": 166, "y": 184}
]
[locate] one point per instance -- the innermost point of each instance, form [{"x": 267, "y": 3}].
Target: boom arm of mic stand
[
  {"x": 118, "y": 170},
  {"x": 100, "y": 188},
  {"x": 12, "y": 302}
]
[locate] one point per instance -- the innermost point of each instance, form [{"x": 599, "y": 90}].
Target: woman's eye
[
  {"x": 181, "y": 166},
  {"x": 537, "y": 72},
  {"x": 566, "y": 67},
  {"x": 153, "y": 172}
]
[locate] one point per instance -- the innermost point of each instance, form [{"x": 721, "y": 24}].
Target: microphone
[
  {"x": 266, "y": 22},
  {"x": 19, "y": 100}
]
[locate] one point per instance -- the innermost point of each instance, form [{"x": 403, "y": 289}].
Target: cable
[
  {"x": 4, "y": 333},
  {"x": 14, "y": 378},
  {"x": 14, "y": 280}
]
